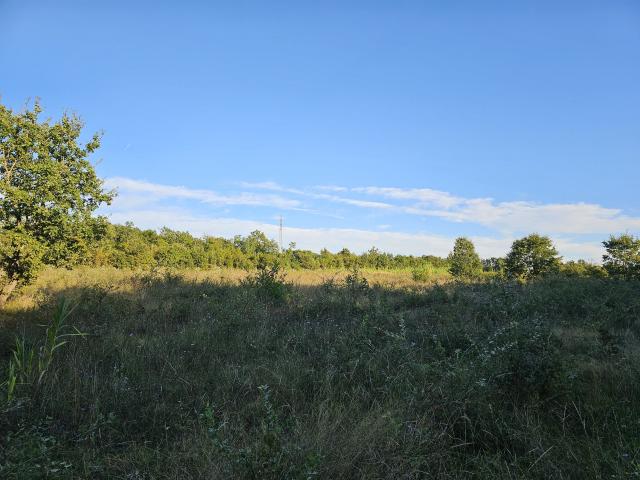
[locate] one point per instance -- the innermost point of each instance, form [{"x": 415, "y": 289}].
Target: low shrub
[{"x": 269, "y": 283}]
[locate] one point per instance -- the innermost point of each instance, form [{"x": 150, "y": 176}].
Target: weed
[
  {"x": 30, "y": 363},
  {"x": 355, "y": 281},
  {"x": 269, "y": 283}
]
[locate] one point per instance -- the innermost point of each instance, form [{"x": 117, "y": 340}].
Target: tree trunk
[{"x": 6, "y": 291}]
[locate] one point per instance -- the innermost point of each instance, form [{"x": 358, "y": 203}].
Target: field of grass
[{"x": 193, "y": 375}]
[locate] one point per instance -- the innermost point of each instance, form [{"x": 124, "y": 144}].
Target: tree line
[
  {"x": 49, "y": 192},
  {"x": 126, "y": 246},
  {"x": 536, "y": 256}
]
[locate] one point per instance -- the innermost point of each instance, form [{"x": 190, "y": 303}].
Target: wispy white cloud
[
  {"x": 508, "y": 217},
  {"x": 518, "y": 217},
  {"x": 577, "y": 218},
  {"x": 273, "y": 186},
  {"x": 511, "y": 217},
  {"x": 313, "y": 194},
  {"x": 155, "y": 191},
  {"x": 145, "y": 203},
  {"x": 425, "y": 196},
  {"x": 350, "y": 201},
  {"x": 331, "y": 188}
]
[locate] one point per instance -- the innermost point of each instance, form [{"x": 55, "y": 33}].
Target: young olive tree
[
  {"x": 48, "y": 193},
  {"x": 463, "y": 260},
  {"x": 532, "y": 256},
  {"x": 623, "y": 256}
]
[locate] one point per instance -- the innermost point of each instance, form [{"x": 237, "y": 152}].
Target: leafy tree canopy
[
  {"x": 623, "y": 256},
  {"x": 48, "y": 192},
  {"x": 493, "y": 264},
  {"x": 532, "y": 256},
  {"x": 581, "y": 268},
  {"x": 256, "y": 243},
  {"x": 464, "y": 261}
]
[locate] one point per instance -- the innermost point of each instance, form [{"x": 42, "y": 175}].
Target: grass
[{"x": 325, "y": 375}]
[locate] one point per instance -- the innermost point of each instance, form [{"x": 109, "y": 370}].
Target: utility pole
[{"x": 281, "y": 234}]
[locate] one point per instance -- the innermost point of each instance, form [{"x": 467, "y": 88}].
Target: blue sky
[{"x": 398, "y": 124}]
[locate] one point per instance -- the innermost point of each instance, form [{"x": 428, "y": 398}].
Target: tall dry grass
[{"x": 215, "y": 375}]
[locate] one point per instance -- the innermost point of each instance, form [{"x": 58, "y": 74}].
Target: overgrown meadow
[{"x": 184, "y": 374}]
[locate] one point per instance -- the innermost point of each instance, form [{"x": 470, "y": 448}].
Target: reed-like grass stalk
[{"x": 29, "y": 364}]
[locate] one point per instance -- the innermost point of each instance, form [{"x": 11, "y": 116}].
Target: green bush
[
  {"x": 464, "y": 261},
  {"x": 269, "y": 283},
  {"x": 428, "y": 272},
  {"x": 521, "y": 359}
]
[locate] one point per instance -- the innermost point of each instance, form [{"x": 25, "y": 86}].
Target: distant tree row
[
  {"x": 49, "y": 192},
  {"x": 535, "y": 256},
  {"x": 125, "y": 246}
]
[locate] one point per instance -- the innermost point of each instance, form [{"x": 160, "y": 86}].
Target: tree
[
  {"x": 347, "y": 259},
  {"x": 493, "y": 264},
  {"x": 531, "y": 257},
  {"x": 464, "y": 261},
  {"x": 623, "y": 256},
  {"x": 257, "y": 243},
  {"x": 581, "y": 268},
  {"x": 48, "y": 193}
]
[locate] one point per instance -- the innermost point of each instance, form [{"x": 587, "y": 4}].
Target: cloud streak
[
  {"x": 152, "y": 205},
  {"x": 155, "y": 191},
  {"x": 511, "y": 217},
  {"x": 514, "y": 217},
  {"x": 424, "y": 196},
  {"x": 507, "y": 217}
]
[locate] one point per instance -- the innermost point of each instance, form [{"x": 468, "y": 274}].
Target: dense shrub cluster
[{"x": 125, "y": 246}]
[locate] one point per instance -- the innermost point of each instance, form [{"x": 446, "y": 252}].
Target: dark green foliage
[
  {"x": 355, "y": 282},
  {"x": 48, "y": 193},
  {"x": 532, "y": 256},
  {"x": 34, "y": 454},
  {"x": 623, "y": 256},
  {"x": 303, "y": 259},
  {"x": 521, "y": 359},
  {"x": 493, "y": 264},
  {"x": 463, "y": 260},
  {"x": 269, "y": 283},
  {"x": 20, "y": 255},
  {"x": 125, "y": 246},
  {"x": 256, "y": 244}
]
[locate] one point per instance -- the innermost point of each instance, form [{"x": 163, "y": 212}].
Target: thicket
[{"x": 126, "y": 246}]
